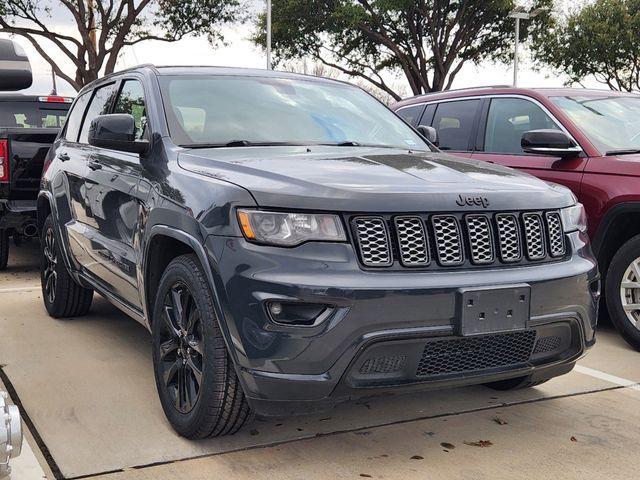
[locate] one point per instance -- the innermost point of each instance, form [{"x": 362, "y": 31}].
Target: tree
[
  {"x": 427, "y": 41},
  {"x": 105, "y": 27},
  {"x": 599, "y": 40}
]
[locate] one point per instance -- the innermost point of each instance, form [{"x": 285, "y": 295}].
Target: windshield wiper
[{"x": 623, "y": 151}]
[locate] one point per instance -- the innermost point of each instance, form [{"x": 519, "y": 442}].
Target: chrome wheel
[
  {"x": 181, "y": 348},
  {"x": 630, "y": 293},
  {"x": 50, "y": 263}
]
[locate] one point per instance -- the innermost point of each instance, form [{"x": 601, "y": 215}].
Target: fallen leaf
[
  {"x": 417, "y": 457},
  {"x": 574, "y": 439},
  {"x": 448, "y": 446},
  {"x": 479, "y": 443},
  {"x": 500, "y": 421},
  {"x": 365, "y": 475}
]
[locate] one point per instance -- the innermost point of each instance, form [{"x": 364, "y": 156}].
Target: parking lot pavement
[{"x": 86, "y": 386}]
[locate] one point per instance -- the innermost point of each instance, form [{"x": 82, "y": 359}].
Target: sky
[{"x": 239, "y": 51}]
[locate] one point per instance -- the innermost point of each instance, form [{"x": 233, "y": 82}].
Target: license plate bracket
[{"x": 493, "y": 309}]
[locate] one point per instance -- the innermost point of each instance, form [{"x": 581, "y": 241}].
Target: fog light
[
  {"x": 275, "y": 308},
  {"x": 298, "y": 313},
  {"x": 10, "y": 434}
]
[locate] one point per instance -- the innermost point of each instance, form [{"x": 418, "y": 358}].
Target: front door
[
  {"x": 500, "y": 132},
  {"x": 113, "y": 180}
]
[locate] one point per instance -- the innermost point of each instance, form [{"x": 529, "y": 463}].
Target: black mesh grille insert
[
  {"x": 547, "y": 344},
  {"x": 462, "y": 355},
  {"x": 385, "y": 364}
]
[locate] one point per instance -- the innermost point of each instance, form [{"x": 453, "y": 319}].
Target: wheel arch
[
  {"x": 44, "y": 208},
  {"x": 164, "y": 244},
  {"x": 619, "y": 224}
]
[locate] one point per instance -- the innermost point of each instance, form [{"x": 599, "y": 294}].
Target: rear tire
[
  {"x": 4, "y": 249},
  {"x": 62, "y": 296},
  {"x": 198, "y": 387},
  {"x": 517, "y": 383}
]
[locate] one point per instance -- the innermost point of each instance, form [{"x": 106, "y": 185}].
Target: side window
[
  {"x": 454, "y": 123},
  {"x": 75, "y": 117},
  {"x": 131, "y": 101},
  {"x": 508, "y": 119},
  {"x": 411, "y": 114},
  {"x": 99, "y": 105}
]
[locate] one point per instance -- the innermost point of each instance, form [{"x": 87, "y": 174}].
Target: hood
[{"x": 358, "y": 179}]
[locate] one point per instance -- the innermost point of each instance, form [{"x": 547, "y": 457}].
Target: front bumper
[{"x": 386, "y": 325}]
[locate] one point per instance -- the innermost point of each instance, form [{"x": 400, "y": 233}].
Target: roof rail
[{"x": 462, "y": 90}]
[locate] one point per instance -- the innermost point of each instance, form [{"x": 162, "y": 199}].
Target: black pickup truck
[{"x": 28, "y": 126}]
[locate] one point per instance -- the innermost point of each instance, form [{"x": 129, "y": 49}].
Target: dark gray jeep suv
[{"x": 291, "y": 243}]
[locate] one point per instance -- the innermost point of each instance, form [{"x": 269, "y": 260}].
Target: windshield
[
  {"x": 32, "y": 115},
  {"x": 220, "y": 110},
  {"x": 611, "y": 123}
]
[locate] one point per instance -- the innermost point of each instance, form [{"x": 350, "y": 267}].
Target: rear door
[
  {"x": 68, "y": 185},
  {"x": 75, "y": 155},
  {"x": 456, "y": 123},
  {"x": 112, "y": 180},
  {"x": 503, "y": 121}
]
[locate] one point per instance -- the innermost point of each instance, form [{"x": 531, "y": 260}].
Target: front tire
[
  {"x": 4, "y": 249},
  {"x": 622, "y": 291},
  {"x": 198, "y": 387},
  {"x": 62, "y": 296}
]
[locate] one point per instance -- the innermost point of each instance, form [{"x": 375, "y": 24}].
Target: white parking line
[
  {"x": 607, "y": 377},
  {"x": 20, "y": 289}
]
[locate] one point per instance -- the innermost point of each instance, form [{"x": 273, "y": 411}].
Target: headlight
[
  {"x": 574, "y": 218},
  {"x": 290, "y": 229}
]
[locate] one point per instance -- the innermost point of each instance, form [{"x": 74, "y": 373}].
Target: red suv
[{"x": 587, "y": 140}]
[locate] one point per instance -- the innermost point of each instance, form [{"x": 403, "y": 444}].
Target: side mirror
[
  {"x": 116, "y": 131},
  {"x": 549, "y": 142},
  {"x": 429, "y": 133},
  {"x": 15, "y": 69}
]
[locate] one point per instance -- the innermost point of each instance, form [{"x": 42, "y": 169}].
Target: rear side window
[
  {"x": 454, "y": 123},
  {"x": 411, "y": 114},
  {"x": 75, "y": 117},
  {"x": 508, "y": 119},
  {"x": 99, "y": 106}
]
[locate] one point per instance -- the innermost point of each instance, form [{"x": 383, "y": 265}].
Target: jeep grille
[
  {"x": 476, "y": 239},
  {"x": 373, "y": 239},
  {"x": 448, "y": 242},
  {"x": 556, "y": 235},
  {"x": 533, "y": 234}
]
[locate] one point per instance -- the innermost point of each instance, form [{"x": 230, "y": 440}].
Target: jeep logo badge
[{"x": 472, "y": 201}]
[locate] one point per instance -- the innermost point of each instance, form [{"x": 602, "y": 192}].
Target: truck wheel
[
  {"x": 63, "y": 297},
  {"x": 517, "y": 383},
  {"x": 197, "y": 383},
  {"x": 4, "y": 249},
  {"x": 622, "y": 291}
]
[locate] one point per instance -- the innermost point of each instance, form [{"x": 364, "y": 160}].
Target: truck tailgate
[{"x": 27, "y": 151}]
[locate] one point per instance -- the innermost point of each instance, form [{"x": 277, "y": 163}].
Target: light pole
[
  {"x": 268, "y": 34},
  {"x": 519, "y": 13}
]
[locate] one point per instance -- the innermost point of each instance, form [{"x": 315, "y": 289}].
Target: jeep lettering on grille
[{"x": 469, "y": 201}]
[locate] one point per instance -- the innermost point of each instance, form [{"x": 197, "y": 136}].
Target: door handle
[
  {"x": 64, "y": 156},
  {"x": 95, "y": 165}
]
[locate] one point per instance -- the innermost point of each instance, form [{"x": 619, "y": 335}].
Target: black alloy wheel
[
  {"x": 181, "y": 348},
  {"x": 50, "y": 264}
]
